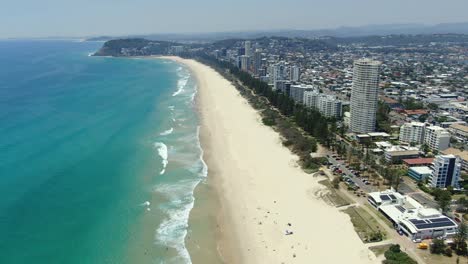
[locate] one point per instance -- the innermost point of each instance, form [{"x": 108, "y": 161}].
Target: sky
[{"x": 81, "y": 18}]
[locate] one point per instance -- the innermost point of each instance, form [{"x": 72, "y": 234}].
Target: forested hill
[{"x": 134, "y": 47}]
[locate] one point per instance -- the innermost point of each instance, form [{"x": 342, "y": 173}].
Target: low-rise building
[
  {"x": 411, "y": 218},
  {"x": 397, "y": 154},
  {"x": 459, "y": 132},
  {"x": 418, "y": 162},
  {"x": 420, "y": 173}
]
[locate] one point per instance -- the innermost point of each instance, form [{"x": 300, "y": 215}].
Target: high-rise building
[
  {"x": 364, "y": 95},
  {"x": 437, "y": 138},
  {"x": 412, "y": 133},
  {"x": 294, "y": 73},
  {"x": 329, "y": 106},
  {"x": 296, "y": 92},
  {"x": 311, "y": 99},
  {"x": 446, "y": 171},
  {"x": 245, "y": 62},
  {"x": 278, "y": 72},
  {"x": 248, "y": 48},
  {"x": 257, "y": 62}
]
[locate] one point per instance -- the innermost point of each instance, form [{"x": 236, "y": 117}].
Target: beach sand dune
[{"x": 270, "y": 211}]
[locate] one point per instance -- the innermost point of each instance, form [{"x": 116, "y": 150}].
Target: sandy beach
[{"x": 263, "y": 192}]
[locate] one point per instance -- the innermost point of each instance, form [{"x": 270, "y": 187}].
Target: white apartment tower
[
  {"x": 437, "y": 138},
  {"x": 294, "y": 73},
  {"x": 311, "y": 99},
  {"x": 364, "y": 95},
  {"x": 446, "y": 171},
  {"x": 329, "y": 106},
  {"x": 412, "y": 133}
]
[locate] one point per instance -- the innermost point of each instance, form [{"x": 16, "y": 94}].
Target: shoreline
[{"x": 248, "y": 175}]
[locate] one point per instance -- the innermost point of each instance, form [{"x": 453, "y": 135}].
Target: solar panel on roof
[
  {"x": 417, "y": 221},
  {"x": 400, "y": 208},
  {"x": 384, "y": 197},
  {"x": 435, "y": 225},
  {"x": 436, "y": 220},
  {"x": 392, "y": 196}
]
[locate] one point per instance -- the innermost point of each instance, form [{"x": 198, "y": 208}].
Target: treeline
[
  {"x": 299, "y": 126},
  {"x": 310, "y": 120}
]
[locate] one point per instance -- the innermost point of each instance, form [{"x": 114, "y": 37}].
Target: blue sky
[{"x": 38, "y": 18}]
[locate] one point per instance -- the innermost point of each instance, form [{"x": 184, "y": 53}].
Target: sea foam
[
  {"x": 162, "y": 151},
  {"x": 167, "y": 132}
]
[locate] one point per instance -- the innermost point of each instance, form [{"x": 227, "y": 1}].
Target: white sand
[{"x": 262, "y": 189}]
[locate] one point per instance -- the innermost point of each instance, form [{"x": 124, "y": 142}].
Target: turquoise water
[{"x": 99, "y": 157}]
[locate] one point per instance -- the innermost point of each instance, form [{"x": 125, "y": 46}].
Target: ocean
[{"x": 99, "y": 157}]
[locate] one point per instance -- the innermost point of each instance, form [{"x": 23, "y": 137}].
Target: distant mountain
[{"x": 368, "y": 30}]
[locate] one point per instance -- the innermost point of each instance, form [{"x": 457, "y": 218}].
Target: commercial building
[
  {"x": 364, "y": 95},
  {"x": 297, "y": 92},
  {"x": 411, "y": 218},
  {"x": 462, "y": 154},
  {"x": 446, "y": 171},
  {"x": 412, "y": 133},
  {"x": 436, "y": 138},
  {"x": 397, "y": 154},
  {"x": 420, "y": 173}
]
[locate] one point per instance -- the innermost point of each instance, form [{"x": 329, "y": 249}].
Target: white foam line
[
  {"x": 162, "y": 151},
  {"x": 167, "y": 132}
]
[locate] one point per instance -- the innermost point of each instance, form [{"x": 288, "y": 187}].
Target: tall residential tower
[{"x": 364, "y": 95}]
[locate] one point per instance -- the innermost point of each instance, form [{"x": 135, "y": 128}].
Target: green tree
[
  {"x": 443, "y": 198},
  {"x": 460, "y": 239},
  {"x": 438, "y": 246}
]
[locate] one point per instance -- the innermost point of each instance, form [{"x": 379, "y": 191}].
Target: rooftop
[
  {"x": 418, "y": 161},
  {"x": 421, "y": 170},
  {"x": 453, "y": 151}
]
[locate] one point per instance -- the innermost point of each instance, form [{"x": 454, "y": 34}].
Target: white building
[
  {"x": 311, "y": 98},
  {"x": 437, "y": 138},
  {"x": 329, "y": 106},
  {"x": 364, "y": 95},
  {"x": 446, "y": 171},
  {"x": 294, "y": 73},
  {"x": 277, "y": 73},
  {"x": 411, "y": 218},
  {"x": 296, "y": 92},
  {"x": 412, "y": 133}
]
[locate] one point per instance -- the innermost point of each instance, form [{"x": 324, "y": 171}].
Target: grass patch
[
  {"x": 365, "y": 225},
  {"x": 380, "y": 250},
  {"x": 379, "y": 215},
  {"x": 334, "y": 196}
]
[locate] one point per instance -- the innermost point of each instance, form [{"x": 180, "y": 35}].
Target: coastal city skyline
[
  {"x": 250, "y": 132},
  {"x": 150, "y": 17}
]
